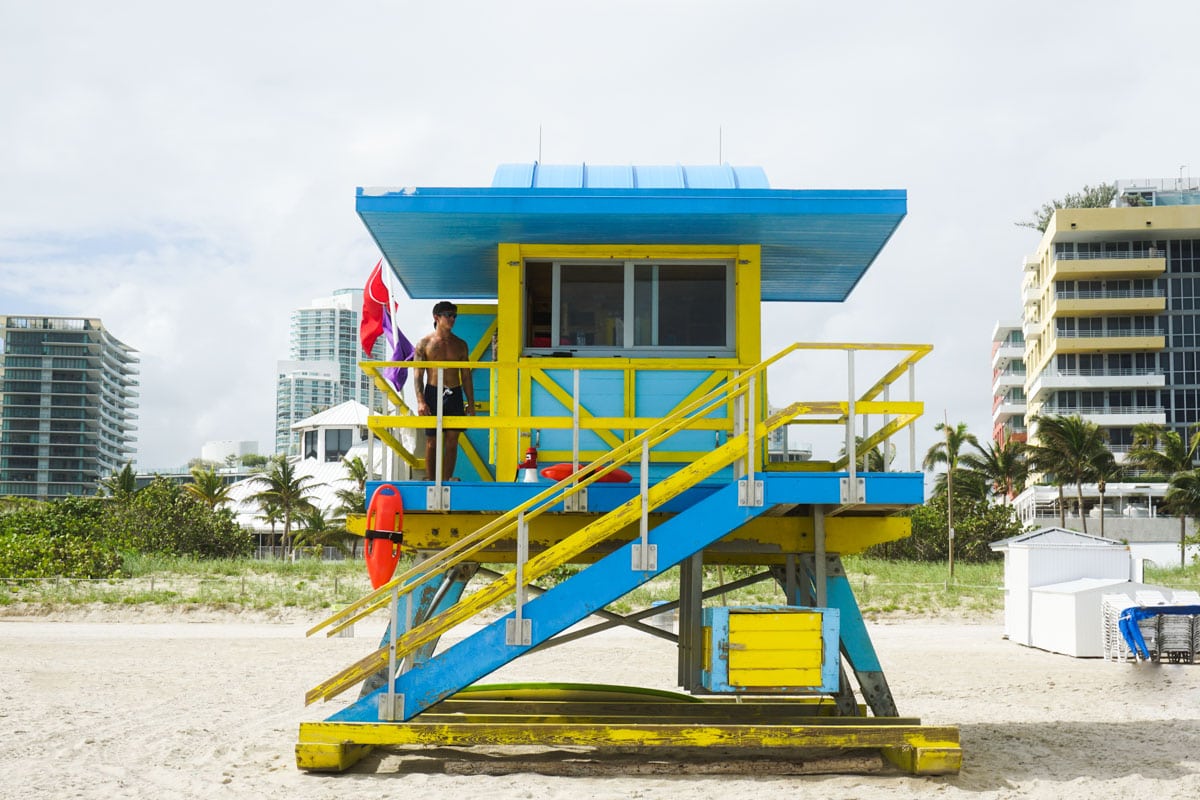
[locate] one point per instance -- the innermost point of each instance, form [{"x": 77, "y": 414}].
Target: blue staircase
[{"x": 562, "y": 606}]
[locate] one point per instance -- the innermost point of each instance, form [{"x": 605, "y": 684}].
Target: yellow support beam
[
  {"x": 561, "y": 553},
  {"x": 920, "y": 749},
  {"x": 629, "y": 252},
  {"x": 766, "y": 539},
  {"x": 329, "y": 756},
  {"x": 510, "y": 326}
]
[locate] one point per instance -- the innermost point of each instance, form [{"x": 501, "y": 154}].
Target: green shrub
[
  {"x": 977, "y": 524},
  {"x": 64, "y": 538},
  {"x": 164, "y": 518},
  {"x": 87, "y": 537}
]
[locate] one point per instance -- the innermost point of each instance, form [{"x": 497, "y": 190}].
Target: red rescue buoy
[
  {"x": 556, "y": 472},
  {"x": 385, "y": 532}
]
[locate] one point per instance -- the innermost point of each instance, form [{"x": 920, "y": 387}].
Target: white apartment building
[
  {"x": 322, "y": 367},
  {"x": 68, "y": 392},
  {"x": 1111, "y": 313}
]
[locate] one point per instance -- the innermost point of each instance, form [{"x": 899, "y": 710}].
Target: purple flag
[{"x": 400, "y": 349}]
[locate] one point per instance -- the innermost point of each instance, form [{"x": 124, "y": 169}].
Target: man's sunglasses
[{"x": 450, "y": 314}]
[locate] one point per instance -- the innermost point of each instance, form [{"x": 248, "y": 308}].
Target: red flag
[{"x": 375, "y": 305}]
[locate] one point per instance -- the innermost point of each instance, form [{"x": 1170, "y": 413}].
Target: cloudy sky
[{"x": 186, "y": 172}]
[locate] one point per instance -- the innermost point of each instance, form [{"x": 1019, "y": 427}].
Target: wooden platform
[{"x": 649, "y": 727}]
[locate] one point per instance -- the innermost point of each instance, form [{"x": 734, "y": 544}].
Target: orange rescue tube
[
  {"x": 385, "y": 532},
  {"x": 556, "y": 472}
]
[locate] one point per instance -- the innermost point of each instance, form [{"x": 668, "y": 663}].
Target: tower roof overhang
[{"x": 816, "y": 244}]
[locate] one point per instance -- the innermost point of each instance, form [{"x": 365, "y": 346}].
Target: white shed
[
  {"x": 1068, "y": 617},
  {"x": 1050, "y": 556}
]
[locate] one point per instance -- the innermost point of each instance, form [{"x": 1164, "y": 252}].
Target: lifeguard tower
[{"x": 614, "y": 322}]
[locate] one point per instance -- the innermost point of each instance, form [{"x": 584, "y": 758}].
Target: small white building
[
  {"x": 327, "y": 437},
  {"x": 1050, "y": 556},
  {"x": 1054, "y": 583}
]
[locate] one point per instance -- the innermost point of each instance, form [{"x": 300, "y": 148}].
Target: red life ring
[
  {"x": 385, "y": 532},
  {"x": 556, "y": 472}
]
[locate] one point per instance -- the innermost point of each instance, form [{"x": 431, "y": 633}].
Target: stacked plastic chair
[
  {"x": 1190, "y": 626},
  {"x": 1115, "y": 647},
  {"x": 1151, "y": 627}
]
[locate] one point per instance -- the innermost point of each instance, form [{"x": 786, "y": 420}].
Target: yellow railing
[
  {"x": 846, "y": 412},
  {"x": 748, "y": 425}
]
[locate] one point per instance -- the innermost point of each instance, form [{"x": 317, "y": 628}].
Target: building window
[
  {"x": 626, "y": 307},
  {"x": 310, "y": 444},
  {"x": 337, "y": 443}
]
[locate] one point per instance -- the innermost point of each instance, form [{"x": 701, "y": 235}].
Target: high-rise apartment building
[
  {"x": 1112, "y": 315},
  {"x": 322, "y": 369},
  {"x": 1008, "y": 382},
  {"x": 68, "y": 392}
]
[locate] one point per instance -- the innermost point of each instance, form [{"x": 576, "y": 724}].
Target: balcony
[
  {"x": 1009, "y": 379},
  {"x": 1091, "y": 304},
  {"x": 1053, "y": 380},
  {"x": 1032, "y": 327},
  {"x": 1134, "y": 340},
  {"x": 1112, "y": 417},
  {"x": 1006, "y": 353},
  {"x": 1030, "y": 290},
  {"x": 1134, "y": 264},
  {"x": 1010, "y": 409}
]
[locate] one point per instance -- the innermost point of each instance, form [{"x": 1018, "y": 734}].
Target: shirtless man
[{"x": 443, "y": 345}]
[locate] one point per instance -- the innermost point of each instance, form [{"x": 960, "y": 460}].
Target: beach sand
[{"x": 154, "y": 704}]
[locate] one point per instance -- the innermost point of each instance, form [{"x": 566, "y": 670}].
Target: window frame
[{"x": 628, "y": 328}]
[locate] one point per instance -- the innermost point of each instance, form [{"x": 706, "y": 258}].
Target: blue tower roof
[{"x": 816, "y": 244}]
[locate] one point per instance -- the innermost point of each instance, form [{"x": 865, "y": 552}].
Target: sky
[{"x": 186, "y": 172}]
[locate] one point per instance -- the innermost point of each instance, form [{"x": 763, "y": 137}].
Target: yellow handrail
[
  {"x": 504, "y": 526},
  {"x": 681, "y": 418}
]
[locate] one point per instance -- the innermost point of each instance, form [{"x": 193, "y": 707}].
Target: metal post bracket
[
  {"x": 391, "y": 707},
  {"x": 645, "y": 560},
  {"x": 576, "y": 502},
  {"x": 518, "y": 631},
  {"x": 859, "y": 495},
  {"x": 437, "y": 501},
  {"x": 750, "y": 493}
]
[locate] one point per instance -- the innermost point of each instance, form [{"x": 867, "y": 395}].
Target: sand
[{"x": 182, "y": 706}]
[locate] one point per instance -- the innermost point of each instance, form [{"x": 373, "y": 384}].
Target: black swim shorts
[{"x": 452, "y": 405}]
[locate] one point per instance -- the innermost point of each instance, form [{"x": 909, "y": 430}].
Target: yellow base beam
[
  {"x": 330, "y": 756},
  {"x": 946, "y": 760},
  {"x": 919, "y": 749}
]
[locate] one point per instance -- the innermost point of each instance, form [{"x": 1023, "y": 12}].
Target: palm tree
[
  {"x": 872, "y": 460},
  {"x": 1043, "y": 461},
  {"x": 357, "y": 471},
  {"x": 1002, "y": 466},
  {"x": 1105, "y": 468},
  {"x": 289, "y": 493},
  {"x": 967, "y": 483},
  {"x": 272, "y": 516},
  {"x": 353, "y": 501},
  {"x": 1183, "y": 500},
  {"x": 1161, "y": 451},
  {"x": 317, "y": 532},
  {"x": 208, "y": 487},
  {"x": 1070, "y": 448},
  {"x": 946, "y": 452},
  {"x": 120, "y": 486}
]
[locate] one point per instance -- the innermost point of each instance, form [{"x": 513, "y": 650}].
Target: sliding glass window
[{"x": 672, "y": 308}]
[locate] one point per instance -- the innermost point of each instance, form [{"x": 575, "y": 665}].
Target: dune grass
[{"x": 883, "y": 588}]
